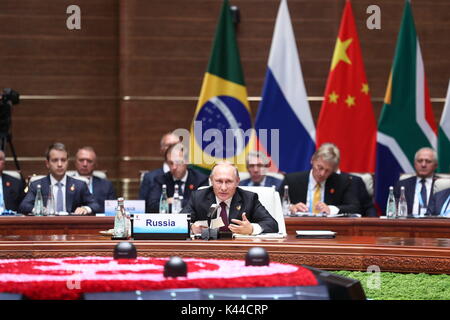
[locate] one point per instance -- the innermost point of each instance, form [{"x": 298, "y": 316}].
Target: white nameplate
[
  {"x": 131, "y": 206},
  {"x": 160, "y": 223}
]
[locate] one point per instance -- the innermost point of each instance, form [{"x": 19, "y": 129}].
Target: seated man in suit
[
  {"x": 187, "y": 179},
  {"x": 321, "y": 189},
  {"x": 419, "y": 188},
  {"x": 11, "y": 189},
  {"x": 240, "y": 210},
  {"x": 167, "y": 140},
  {"x": 257, "y": 163},
  {"x": 102, "y": 189},
  {"x": 367, "y": 207},
  {"x": 439, "y": 204},
  {"x": 70, "y": 194}
]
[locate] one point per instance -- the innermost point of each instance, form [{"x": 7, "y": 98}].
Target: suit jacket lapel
[
  {"x": 235, "y": 207},
  {"x": 70, "y": 193}
]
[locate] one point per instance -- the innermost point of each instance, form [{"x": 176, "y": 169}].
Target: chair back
[{"x": 270, "y": 199}]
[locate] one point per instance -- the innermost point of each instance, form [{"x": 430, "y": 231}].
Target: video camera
[{"x": 8, "y": 99}]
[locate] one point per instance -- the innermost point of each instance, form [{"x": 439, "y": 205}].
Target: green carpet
[{"x": 397, "y": 286}]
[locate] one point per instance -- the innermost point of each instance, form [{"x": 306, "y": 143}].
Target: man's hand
[
  {"x": 197, "y": 228},
  {"x": 81, "y": 211},
  {"x": 299, "y": 207},
  {"x": 322, "y": 207},
  {"x": 241, "y": 227}
]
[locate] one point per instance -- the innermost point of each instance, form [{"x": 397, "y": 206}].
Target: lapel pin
[
  {"x": 8, "y": 184},
  {"x": 191, "y": 187},
  {"x": 72, "y": 188},
  {"x": 238, "y": 207},
  {"x": 332, "y": 191}
]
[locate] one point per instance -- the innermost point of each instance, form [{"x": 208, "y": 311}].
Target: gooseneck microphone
[{"x": 211, "y": 234}]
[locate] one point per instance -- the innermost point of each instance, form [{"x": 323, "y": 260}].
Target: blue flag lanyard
[
  {"x": 419, "y": 195},
  {"x": 445, "y": 211}
]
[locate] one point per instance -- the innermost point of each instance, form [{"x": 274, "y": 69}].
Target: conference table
[{"x": 407, "y": 245}]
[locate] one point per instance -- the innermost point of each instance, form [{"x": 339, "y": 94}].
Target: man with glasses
[
  {"x": 241, "y": 211},
  {"x": 257, "y": 165},
  {"x": 419, "y": 188},
  {"x": 187, "y": 179}
]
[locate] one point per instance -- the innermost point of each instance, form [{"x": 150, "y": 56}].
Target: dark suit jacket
[
  {"x": 194, "y": 180},
  {"x": 103, "y": 189},
  {"x": 77, "y": 195},
  {"x": 270, "y": 181},
  {"x": 437, "y": 201},
  {"x": 13, "y": 192},
  {"x": 243, "y": 201},
  {"x": 147, "y": 183},
  {"x": 410, "y": 189},
  {"x": 367, "y": 208},
  {"x": 338, "y": 191}
]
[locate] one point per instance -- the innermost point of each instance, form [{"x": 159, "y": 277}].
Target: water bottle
[
  {"x": 176, "y": 204},
  {"x": 391, "y": 207},
  {"x": 50, "y": 208},
  {"x": 402, "y": 206},
  {"x": 286, "y": 203},
  {"x": 120, "y": 221},
  {"x": 163, "y": 204},
  {"x": 38, "y": 209}
]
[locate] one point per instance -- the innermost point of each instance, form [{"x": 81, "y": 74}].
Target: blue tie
[
  {"x": 2, "y": 201},
  {"x": 59, "y": 198},
  {"x": 423, "y": 193}
]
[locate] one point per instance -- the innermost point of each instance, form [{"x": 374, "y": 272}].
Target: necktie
[
  {"x": 423, "y": 193},
  {"x": 316, "y": 198},
  {"x": 179, "y": 183},
  {"x": 223, "y": 215},
  {"x": 59, "y": 198},
  {"x": 256, "y": 184},
  {"x": 2, "y": 202},
  {"x": 91, "y": 188}
]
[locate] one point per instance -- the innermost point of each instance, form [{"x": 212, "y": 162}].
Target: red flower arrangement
[{"x": 68, "y": 278}]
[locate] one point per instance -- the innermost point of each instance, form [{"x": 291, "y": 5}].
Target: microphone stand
[{"x": 211, "y": 234}]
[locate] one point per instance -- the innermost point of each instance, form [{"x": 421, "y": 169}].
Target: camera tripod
[{"x": 7, "y": 138}]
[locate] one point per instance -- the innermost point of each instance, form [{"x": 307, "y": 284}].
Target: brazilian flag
[{"x": 222, "y": 126}]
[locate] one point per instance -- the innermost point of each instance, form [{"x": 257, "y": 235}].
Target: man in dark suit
[
  {"x": 257, "y": 165},
  {"x": 187, "y": 180},
  {"x": 167, "y": 140},
  {"x": 440, "y": 204},
  {"x": 419, "y": 188},
  {"x": 321, "y": 189},
  {"x": 367, "y": 208},
  {"x": 102, "y": 189},
  {"x": 240, "y": 210},
  {"x": 11, "y": 189},
  {"x": 70, "y": 194}
]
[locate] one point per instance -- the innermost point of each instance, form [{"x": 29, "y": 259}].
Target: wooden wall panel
[{"x": 159, "y": 50}]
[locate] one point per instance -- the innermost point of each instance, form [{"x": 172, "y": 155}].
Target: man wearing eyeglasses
[
  {"x": 187, "y": 179},
  {"x": 419, "y": 188},
  {"x": 257, "y": 165}
]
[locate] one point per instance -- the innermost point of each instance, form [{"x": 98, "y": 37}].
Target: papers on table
[{"x": 315, "y": 234}]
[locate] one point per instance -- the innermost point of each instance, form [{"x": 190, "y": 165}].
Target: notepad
[{"x": 315, "y": 234}]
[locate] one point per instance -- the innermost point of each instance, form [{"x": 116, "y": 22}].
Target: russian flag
[{"x": 284, "y": 105}]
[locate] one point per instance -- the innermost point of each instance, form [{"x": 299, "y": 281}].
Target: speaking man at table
[
  {"x": 419, "y": 188},
  {"x": 257, "y": 165},
  {"x": 187, "y": 179},
  {"x": 102, "y": 189},
  {"x": 71, "y": 195},
  {"x": 11, "y": 189},
  {"x": 240, "y": 210},
  {"x": 321, "y": 189}
]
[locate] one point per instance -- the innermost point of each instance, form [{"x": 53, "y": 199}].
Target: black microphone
[{"x": 209, "y": 233}]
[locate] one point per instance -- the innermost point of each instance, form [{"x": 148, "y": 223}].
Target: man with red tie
[{"x": 240, "y": 210}]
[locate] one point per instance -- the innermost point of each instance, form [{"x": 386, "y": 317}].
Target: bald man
[
  {"x": 240, "y": 210},
  {"x": 11, "y": 189}
]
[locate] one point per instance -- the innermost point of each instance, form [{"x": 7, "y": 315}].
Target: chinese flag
[{"x": 346, "y": 117}]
